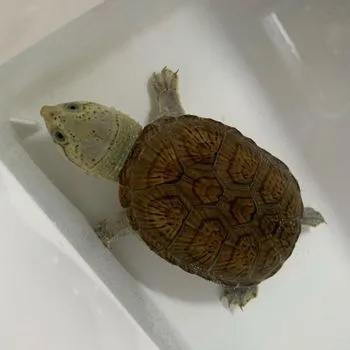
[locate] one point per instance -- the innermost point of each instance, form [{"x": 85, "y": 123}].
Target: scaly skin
[{"x": 98, "y": 139}]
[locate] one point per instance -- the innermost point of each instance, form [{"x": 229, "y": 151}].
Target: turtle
[{"x": 198, "y": 192}]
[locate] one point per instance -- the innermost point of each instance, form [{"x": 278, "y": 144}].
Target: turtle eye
[
  {"x": 59, "y": 137},
  {"x": 73, "y": 106}
]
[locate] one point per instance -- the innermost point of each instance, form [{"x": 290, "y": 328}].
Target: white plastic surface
[
  {"x": 24, "y": 22},
  {"x": 50, "y": 297},
  {"x": 250, "y": 65}
]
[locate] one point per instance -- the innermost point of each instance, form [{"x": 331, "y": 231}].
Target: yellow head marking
[{"x": 84, "y": 131}]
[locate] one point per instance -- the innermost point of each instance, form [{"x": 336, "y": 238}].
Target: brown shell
[{"x": 208, "y": 199}]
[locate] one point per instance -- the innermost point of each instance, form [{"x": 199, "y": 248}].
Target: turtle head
[{"x": 94, "y": 137}]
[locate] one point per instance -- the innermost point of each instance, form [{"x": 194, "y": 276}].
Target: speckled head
[{"x": 90, "y": 135}]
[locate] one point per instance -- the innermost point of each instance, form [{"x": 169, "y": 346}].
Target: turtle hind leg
[
  {"x": 312, "y": 218},
  {"x": 238, "y": 295},
  {"x": 165, "y": 87}
]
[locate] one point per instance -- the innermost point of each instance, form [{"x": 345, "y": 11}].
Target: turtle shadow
[{"x": 160, "y": 276}]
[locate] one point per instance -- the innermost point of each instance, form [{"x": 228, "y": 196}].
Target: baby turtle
[{"x": 198, "y": 192}]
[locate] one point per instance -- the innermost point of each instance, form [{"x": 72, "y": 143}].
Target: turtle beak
[{"x": 47, "y": 112}]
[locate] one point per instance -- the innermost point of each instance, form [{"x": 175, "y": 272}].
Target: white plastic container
[{"x": 276, "y": 70}]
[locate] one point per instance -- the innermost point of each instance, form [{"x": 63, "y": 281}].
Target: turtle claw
[
  {"x": 238, "y": 296},
  {"x": 113, "y": 227},
  {"x": 164, "y": 81},
  {"x": 102, "y": 232}
]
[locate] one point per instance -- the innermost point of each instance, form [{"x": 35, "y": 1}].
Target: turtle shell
[{"x": 208, "y": 199}]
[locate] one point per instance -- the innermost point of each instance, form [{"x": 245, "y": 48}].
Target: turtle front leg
[
  {"x": 238, "y": 295},
  {"x": 112, "y": 228},
  {"x": 165, "y": 87}
]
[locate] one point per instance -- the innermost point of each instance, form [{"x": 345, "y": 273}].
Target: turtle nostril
[{"x": 47, "y": 112}]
